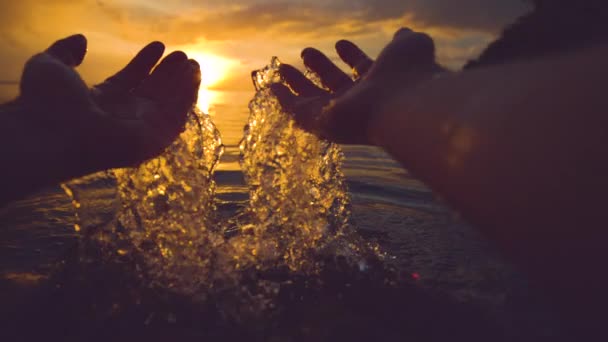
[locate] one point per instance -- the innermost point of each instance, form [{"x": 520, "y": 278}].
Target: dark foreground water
[{"x": 446, "y": 282}]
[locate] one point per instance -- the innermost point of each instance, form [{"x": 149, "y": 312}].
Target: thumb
[
  {"x": 49, "y": 78},
  {"x": 70, "y": 51}
]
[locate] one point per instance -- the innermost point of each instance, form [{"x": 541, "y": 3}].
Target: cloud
[
  {"x": 248, "y": 31},
  {"x": 480, "y": 15},
  {"x": 182, "y": 22},
  {"x": 250, "y": 18}
]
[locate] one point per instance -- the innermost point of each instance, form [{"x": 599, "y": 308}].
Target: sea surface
[{"x": 431, "y": 248}]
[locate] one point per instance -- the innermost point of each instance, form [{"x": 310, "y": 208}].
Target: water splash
[
  {"x": 299, "y": 204},
  {"x": 161, "y": 211},
  {"x": 295, "y": 226},
  {"x": 167, "y": 206}
]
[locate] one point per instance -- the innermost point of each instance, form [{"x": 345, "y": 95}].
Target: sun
[{"x": 214, "y": 69}]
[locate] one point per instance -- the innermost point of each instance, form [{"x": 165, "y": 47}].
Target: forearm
[{"x": 519, "y": 150}]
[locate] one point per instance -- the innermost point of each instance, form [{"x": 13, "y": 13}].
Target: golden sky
[{"x": 231, "y": 38}]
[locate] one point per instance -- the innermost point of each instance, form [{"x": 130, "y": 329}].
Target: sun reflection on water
[
  {"x": 209, "y": 99},
  {"x": 214, "y": 69},
  {"x": 205, "y": 99}
]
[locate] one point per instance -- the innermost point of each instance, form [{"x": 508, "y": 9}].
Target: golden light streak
[
  {"x": 214, "y": 69},
  {"x": 207, "y": 99}
]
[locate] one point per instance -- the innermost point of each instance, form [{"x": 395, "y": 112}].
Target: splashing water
[
  {"x": 167, "y": 204},
  {"x": 298, "y": 199},
  {"x": 164, "y": 221},
  {"x": 161, "y": 211}
]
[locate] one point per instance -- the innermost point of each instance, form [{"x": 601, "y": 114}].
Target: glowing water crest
[
  {"x": 298, "y": 199},
  {"x": 161, "y": 216}
]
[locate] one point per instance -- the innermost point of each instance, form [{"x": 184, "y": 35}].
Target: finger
[
  {"x": 140, "y": 66},
  {"x": 352, "y": 55},
  {"x": 408, "y": 53},
  {"x": 70, "y": 50},
  {"x": 331, "y": 76},
  {"x": 284, "y": 95},
  {"x": 417, "y": 47},
  {"x": 403, "y": 32},
  {"x": 304, "y": 110},
  {"x": 156, "y": 84},
  {"x": 169, "y": 62},
  {"x": 185, "y": 83},
  {"x": 195, "y": 80},
  {"x": 298, "y": 82},
  {"x": 182, "y": 94}
]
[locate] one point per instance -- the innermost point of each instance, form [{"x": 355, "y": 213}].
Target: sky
[{"x": 231, "y": 38}]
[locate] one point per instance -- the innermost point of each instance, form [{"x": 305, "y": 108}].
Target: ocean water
[{"x": 432, "y": 277}]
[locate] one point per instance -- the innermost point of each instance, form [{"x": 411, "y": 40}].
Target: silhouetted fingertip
[
  {"x": 156, "y": 45},
  {"x": 146, "y": 58},
  {"x": 80, "y": 48},
  {"x": 185, "y": 68},
  {"x": 196, "y": 68},
  {"x": 331, "y": 76},
  {"x": 310, "y": 51},
  {"x": 176, "y": 57},
  {"x": 344, "y": 44},
  {"x": 350, "y": 52},
  {"x": 316, "y": 60},
  {"x": 305, "y": 51},
  {"x": 193, "y": 70},
  {"x": 75, "y": 40},
  {"x": 194, "y": 64},
  {"x": 155, "y": 48},
  {"x": 169, "y": 66},
  {"x": 403, "y": 31},
  {"x": 71, "y": 50},
  {"x": 352, "y": 55},
  {"x": 79, "y": 41},
  {"x": 297, "y": 81}
]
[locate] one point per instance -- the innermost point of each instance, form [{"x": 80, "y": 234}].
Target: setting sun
[{"x": 214, "y": 69}]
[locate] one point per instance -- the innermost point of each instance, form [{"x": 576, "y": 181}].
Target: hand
[
  {"x": 344, "y": 111},
  {"x": 132, "y": 116}
]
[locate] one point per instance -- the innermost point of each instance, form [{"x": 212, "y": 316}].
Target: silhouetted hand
[
  {"x": 132, "y": 116},
  {"x": 343, "y": 112}
]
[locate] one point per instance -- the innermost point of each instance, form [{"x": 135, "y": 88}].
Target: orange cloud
[{"x": 245, "y": 32}]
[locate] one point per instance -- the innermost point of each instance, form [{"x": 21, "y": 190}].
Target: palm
[
  {"x": 343, "y": 112},
  {"x": 310, "y": 100},
  {"x": 130, "y": 117}
]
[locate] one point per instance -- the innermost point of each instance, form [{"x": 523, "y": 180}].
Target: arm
[
  {"x": 58, "y": 128},
  {"x": 521, "y": 151},
  {"x": 518, "y": 149}
]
